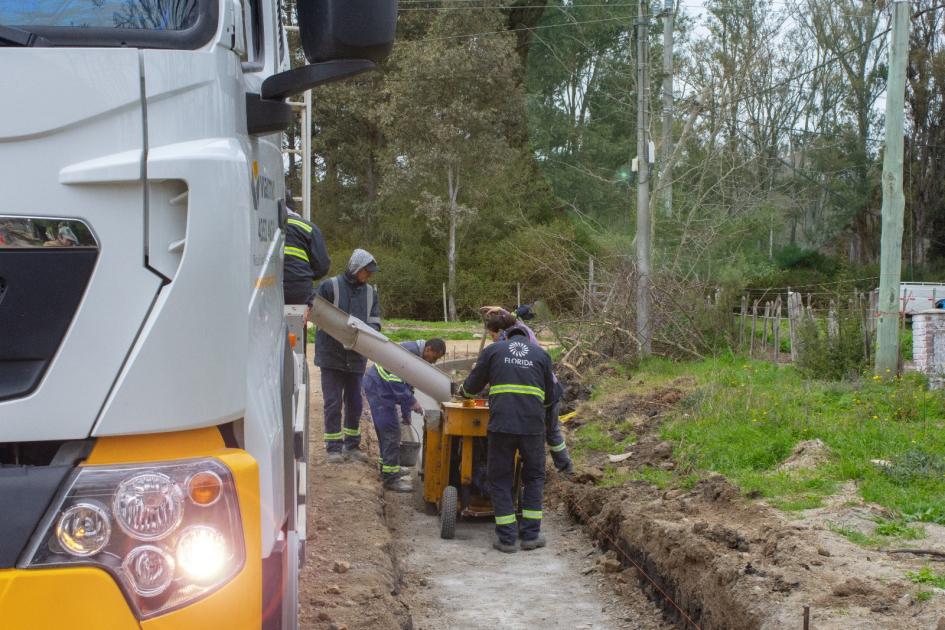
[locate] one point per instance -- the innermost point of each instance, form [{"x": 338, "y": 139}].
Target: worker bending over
[
  {"x": 521, "y": 387},
  {"x": 499, "y": 322},
  {"x": 342, "y": 370},
  {"x": 306, "y": 257},
  {"x": 388, "y": 394}
]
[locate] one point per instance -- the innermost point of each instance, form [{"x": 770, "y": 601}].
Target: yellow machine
[{"x": 454, "y": 463}]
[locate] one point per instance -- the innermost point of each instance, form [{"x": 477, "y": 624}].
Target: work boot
[
  {"x": 504, "y": 548},
  {"x": 534, "y": 543},
  {"x": 334, "y": 457},
  {"x": 356, "y": 454},
  {"x": 398, "y": 484}
]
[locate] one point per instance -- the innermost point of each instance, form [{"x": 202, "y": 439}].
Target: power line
[{"x": 511, "y": 30}]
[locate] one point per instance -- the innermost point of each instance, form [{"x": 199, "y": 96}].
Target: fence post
[
  {"x": 777, "y": 330},
  {"x": 754, "y": 323},
  {"x": 764, "y": 328},
  {"x": 833, "y": 326},
  {"x": 795, "y": 310},
  {"x": 743, "y": 319}
]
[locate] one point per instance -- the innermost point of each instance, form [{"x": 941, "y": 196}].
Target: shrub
[{"x": 835, "y": 356}]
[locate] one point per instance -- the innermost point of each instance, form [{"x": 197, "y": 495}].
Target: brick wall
[{"x": 928, "y": 342}]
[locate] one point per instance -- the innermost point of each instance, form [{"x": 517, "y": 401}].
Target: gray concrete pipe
[{"x": 358, "y": 336}]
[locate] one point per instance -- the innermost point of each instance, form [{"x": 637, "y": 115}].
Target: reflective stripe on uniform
[
  {"x": 535, "y": 515},
  {"x": 387, "y": 376},
  {"x": 559, "y": 447},
  {"x": 505, "y": 520},
  {"x": 302, "y": 224},
  {"x": 511, "y": 388},
  {"x": 336, "y": 300},
  {"x": 351, "y": 432},
  {"x": 390, "y": 469},
  {"x": 333, "y": 436},
  {"x": 297, "y": 252}
]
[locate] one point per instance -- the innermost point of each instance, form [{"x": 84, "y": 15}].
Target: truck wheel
[{"x": 448, "y": 513}]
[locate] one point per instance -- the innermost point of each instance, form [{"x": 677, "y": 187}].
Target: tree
[{"x": 448, "y": 118}]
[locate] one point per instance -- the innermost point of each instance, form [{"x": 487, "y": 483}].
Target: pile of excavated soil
[
  {"x": 724, "y": 562},
  {"x": 729, "y": 563},
  {"x": 808, "y": 454}
]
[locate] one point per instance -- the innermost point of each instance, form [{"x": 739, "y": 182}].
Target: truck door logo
[{"x": 263, "y": 187}]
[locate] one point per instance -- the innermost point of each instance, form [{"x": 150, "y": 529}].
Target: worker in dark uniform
[
  {"x": 341, "y": 369},
  {"x": 499, "y": 322},
  {"x": 389, "y": 397},
  {"x": 306, "y": 257},
  {"x": 521, "y": 387}
]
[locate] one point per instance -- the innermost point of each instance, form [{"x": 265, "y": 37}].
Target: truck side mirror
[
  {"x": 347, "y": 29},
  {"x": 341, "y": 38}
]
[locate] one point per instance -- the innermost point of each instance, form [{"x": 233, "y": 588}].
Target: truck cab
[{"x": 152, "y": 407}]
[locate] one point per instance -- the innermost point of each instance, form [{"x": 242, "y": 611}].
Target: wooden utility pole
[
  {"x": 666, "y": 149},
  {"x": 644, "y": 329},
  {"x": 887, "y": 335}
]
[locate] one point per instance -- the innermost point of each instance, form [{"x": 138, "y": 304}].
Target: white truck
[{"x": 151, "y": 408}]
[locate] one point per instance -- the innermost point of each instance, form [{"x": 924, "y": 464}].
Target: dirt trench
[
  {"x": 715, "y": 559},
  {"x": 374, "y": 561}
]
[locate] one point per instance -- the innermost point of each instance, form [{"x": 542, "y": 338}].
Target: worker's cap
[{"x": 371, "y": 266}]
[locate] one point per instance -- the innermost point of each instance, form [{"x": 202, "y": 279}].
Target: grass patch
[
  {"x": 471, "y": 326},
  {"x": 899, "y": 529},
  {"x": 747, "y": 416},
  {"x": 857, "y": 537},
  {"x": 923, "y": 596},
  {"x": 614, "y": 477},
  {"x": 412, "y": 334},
  {"x": 598, "y": 437},
  {"x": 662, "y": 479},
  {"x": 927, "y": 575},
  {"x": 789, "y": 491},
  {"x": 885, "y": 533}
]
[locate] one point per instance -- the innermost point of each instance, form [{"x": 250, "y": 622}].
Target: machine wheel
[{"x": 448, "y": 512}]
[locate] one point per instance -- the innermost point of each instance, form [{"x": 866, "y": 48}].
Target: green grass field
[{"x": 743, "y": 419}]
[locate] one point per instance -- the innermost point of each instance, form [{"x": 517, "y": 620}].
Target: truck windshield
[{"x": 143, "y": 23}]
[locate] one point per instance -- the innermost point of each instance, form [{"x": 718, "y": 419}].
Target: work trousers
[
  {"x": 385, "y": 414},
  {"x": 340, "y": 388},
  {"x": 297, "y": 292},
  {"x": 501, "y": 465},
  {"x": 555, "y": 440}
]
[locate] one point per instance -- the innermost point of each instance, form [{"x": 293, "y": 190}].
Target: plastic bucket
[{"x": 408, "y": 453}]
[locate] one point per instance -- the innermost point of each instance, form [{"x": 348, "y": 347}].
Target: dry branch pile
[{"x": 689, "y": 320}]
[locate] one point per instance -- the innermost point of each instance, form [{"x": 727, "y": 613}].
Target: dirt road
[{"x": 375, "y": 562}]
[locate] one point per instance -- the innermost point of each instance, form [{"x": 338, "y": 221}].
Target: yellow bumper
[{"x": 88, "y": 597}]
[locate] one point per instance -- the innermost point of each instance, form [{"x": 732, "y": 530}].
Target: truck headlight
[{"x": 169, "y": 532}]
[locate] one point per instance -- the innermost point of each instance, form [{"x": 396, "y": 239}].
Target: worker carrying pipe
[
  {"x": 342, "y": 368},
  {"x": 387, "y": 393},
  {"x": 499, "y": 322},
  {"x": 521, "y": 387}
]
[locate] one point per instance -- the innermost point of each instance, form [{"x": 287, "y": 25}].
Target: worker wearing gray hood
[{"x": 342, "y": 369}]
